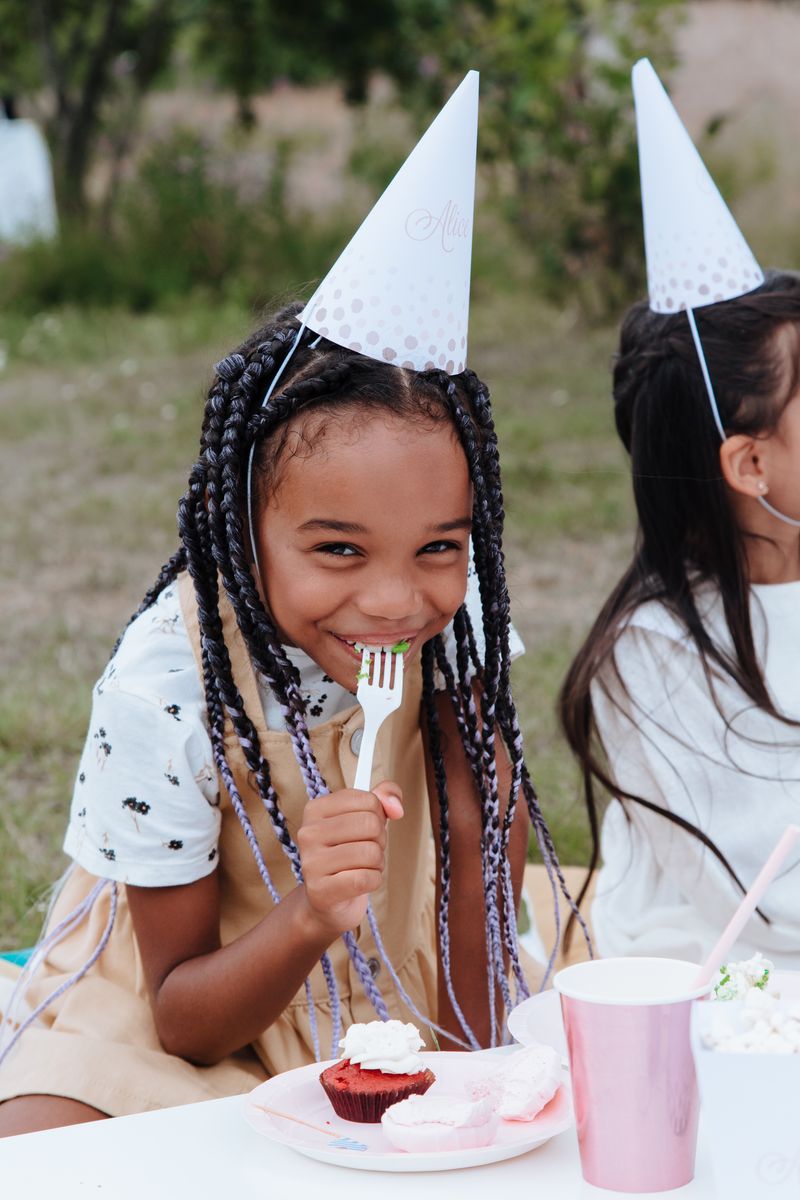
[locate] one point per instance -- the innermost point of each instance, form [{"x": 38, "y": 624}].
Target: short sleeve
[
  {"x": 472, "y": 603},
  {"x": 145, "y": 809}
]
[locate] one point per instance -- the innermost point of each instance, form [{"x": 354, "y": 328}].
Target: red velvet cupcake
[{"x": 380, "y": 1067}]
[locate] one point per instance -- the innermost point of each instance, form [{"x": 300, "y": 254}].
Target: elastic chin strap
[
  {"x": 698, "y": 345},
  {"x": 775, "y": 513},
  {"x": 251, "y": 455}
]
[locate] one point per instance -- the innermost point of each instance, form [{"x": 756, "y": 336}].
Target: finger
[
  {"x": 352, "y": 857},
  {"x": 343, "y": 801},
  {"x": 391, "y": 799},
  {"x": 344, "y": 886},
  {"x": 348, "y": 827}
]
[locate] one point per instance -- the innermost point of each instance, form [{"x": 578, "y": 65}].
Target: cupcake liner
[{"x": 367, "y": 1104}]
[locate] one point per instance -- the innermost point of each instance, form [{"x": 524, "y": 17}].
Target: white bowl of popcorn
[{"x": 746, "y": 1044}]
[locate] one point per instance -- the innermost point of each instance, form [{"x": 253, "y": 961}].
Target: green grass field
[{"x": 99, "y": 420}]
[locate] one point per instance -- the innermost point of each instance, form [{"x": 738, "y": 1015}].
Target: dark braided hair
[{"x": 214, "y": 549}]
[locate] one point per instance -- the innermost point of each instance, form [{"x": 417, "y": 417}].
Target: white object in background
[
  {"x": 538, "y": 1019},
  {"x": 27, "y": 199},
  {"x": 696, "y": 254},
  {"x": 380, "y": 692},
  {"x": 399, "y": 292}
]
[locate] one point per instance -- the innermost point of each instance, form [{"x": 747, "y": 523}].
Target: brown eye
[{"x": 337, "y": 549}]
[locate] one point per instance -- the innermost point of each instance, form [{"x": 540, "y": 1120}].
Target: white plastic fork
[{"x": 380, "y": 690}]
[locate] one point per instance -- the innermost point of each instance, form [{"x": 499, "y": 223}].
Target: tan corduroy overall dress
[{"x": 97, "y": 1043}]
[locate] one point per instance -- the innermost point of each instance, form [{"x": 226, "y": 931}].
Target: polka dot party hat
[
  {"x": 696, "y": 254},
  {"x": 399, "y": 292}
]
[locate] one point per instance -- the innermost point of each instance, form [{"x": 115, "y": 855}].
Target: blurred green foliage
[
  {"x": 556, "y": 118},
  {"x": 178, "y": 231}
]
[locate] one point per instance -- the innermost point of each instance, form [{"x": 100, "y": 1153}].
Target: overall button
[
  {"x": 374, "y": 967},
  {"x": 356, "y": 740}
]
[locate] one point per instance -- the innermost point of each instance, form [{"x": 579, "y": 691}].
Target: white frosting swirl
[{"x": 388, "y": 1046}]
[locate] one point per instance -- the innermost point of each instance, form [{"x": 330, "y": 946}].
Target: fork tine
[
  {"x": 381, "y": 672},
  {"x": 397, "y": 679},
  {"x": 380, "y": 692}
]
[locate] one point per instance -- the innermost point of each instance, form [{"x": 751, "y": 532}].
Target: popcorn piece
[
  {"x": 754, "y": 1024},
  {"x": 738, "y": 978}
]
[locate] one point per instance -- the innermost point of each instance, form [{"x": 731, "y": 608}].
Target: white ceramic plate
[
  {"x": 538, "y": 1019},
  {"x": 299, "y": 1094}
]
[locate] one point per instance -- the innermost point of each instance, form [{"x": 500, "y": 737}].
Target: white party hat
[
  {"x": 399, "y": 292},
  {"x": 696, "y": 254}
]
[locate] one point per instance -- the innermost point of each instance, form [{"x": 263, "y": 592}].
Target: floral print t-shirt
[{"x": 145, "y": 809}]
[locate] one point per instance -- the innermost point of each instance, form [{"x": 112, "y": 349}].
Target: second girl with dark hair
[{"x": 684, "y": 701}]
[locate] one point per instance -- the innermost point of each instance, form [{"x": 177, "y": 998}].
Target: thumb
[{"x": 391, "y": 797}]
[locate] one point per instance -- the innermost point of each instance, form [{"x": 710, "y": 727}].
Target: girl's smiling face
[{"x": 365, "y": 536}]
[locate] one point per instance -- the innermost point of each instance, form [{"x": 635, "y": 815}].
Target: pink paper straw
[{"x": 748, "y": 905}]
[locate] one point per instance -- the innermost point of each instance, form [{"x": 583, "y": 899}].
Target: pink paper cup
[{"x": 633, "y": 1082}]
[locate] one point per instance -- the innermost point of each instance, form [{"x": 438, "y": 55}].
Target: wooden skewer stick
[
  {"x": 339, "y": 1140},
  {"x": 274, "y": 1112}
]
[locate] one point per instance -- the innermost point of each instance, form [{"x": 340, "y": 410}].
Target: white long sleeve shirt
[{"x": 660, "y": 891}]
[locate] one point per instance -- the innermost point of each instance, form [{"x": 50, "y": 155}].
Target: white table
[{"x": 207, "y": 1152}]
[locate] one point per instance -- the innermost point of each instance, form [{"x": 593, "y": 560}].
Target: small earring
[{"x": 762, "y": 487}]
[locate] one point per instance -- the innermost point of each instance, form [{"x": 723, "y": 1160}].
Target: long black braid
[{"x": 214, "y": 550}]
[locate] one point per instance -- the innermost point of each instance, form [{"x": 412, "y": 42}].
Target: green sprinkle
[
  {"x": 362, "y": 675},
  {"x": 400, "y": 647}
]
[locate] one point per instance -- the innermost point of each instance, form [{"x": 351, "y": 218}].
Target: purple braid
[
  {"x": 508, "y": 721},
  {"x": 443, "y": 915},
  {"x": 460, "y": 696},
  {"x": 45, "y": 943},
  {"x": 474, "y": 1044},
  {"x": 79, "y": 974},
  {"x": 217, "y": 731},
  {"x": 507, "y": 717},
  {"x": 487, "y": 529}
]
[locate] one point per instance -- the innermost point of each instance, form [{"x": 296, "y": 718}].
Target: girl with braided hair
[{"x": 235, "y": 902}]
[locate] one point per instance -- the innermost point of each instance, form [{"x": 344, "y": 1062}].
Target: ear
[{"x": 743, "y": 465}]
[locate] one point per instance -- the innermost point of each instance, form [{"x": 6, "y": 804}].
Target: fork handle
[{"x": 366, "y": 754}]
